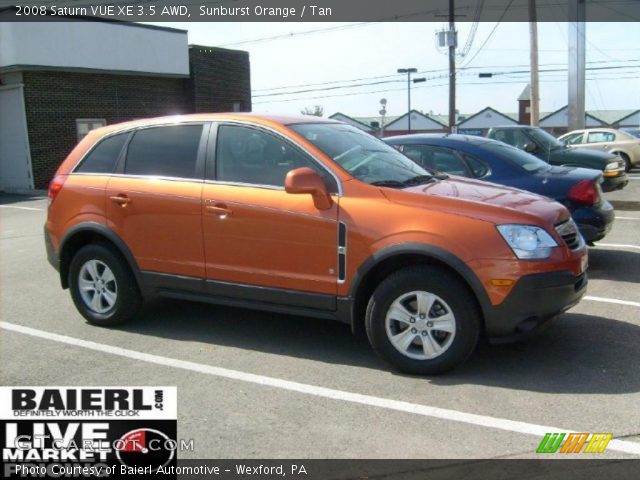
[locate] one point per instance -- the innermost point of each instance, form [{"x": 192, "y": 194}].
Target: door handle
[
  {"x": 121, "y": 200},
  {"x": 218, "y": 209}
]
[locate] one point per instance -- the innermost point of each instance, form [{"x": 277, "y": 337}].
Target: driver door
[{"x": 257, "y": 235}]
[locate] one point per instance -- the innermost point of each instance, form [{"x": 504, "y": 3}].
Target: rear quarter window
[
  {"x": 102, "y": 158},
  {"x": 164, "y": 151}
]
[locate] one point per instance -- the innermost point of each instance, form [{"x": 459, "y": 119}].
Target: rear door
[
  {"x": 256, "y": 234},
  {"x": 153, "y": 202},
  {"x": 599, "y": 140}
]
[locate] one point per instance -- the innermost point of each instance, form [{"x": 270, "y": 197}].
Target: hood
[
  {"x": 582, "y": 156},
  {"x": 489, "y": 201}
]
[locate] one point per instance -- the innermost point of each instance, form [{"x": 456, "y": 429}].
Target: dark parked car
[
  {"x": 476, "y": 157},
  {"x": 546, "y": 147}
]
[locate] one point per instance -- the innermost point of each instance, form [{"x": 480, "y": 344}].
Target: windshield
[
  {"x": 544, "y": 138},
  {"x": 363, "y": 156},
  {"x": 515, "y": 156}
]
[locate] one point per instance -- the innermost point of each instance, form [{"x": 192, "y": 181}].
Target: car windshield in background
[
  {"x": 542, "y": 137},
  {"x": 363, "y": 156},
  {"x": 526, "y": 161}
]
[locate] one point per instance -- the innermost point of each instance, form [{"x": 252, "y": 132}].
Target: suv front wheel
[
  {"x": 102, "y": 287},
  {"x": 423, "y": 320}
]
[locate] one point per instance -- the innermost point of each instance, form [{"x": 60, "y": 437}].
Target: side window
[
  {"x": 164, "y": 151},
  {"x": 519, "y": 139},
  {"x": 103, "y": 157},
  {"x": 478, "y": 169},
  {"x": 249, "y": 155},
  {"x": 600, "y": 137},
  {"x": 437, "y": 158},
  {"x": 574, "y": 139}
]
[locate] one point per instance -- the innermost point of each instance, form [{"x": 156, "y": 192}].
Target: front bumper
[
  {"x": 611, "y": 184},
  {"x": 534, "y": 300},
  {"x": 594, "y": 223}
]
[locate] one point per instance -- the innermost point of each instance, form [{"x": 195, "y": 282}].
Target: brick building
[{"x": 58, "y": 80}]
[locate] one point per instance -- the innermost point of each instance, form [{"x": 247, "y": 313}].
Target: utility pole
[
  {"x": 533, "y": 47},
  {"x": 408, "y": 71},
  {"x": 576, "y": 32},
  {"x": 451, "y": 41}
]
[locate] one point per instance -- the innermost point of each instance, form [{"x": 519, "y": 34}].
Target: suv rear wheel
[
  {"x": 423, "y": 320},
  {"x": 102, "y": 287}
]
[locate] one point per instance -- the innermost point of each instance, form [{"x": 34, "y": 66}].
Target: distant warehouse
[{"x": 58, "y": 80}]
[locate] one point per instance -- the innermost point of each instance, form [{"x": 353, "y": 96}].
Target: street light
[
  {"x": 408, "y": 71},
  {"x": 382, "y": 112}
]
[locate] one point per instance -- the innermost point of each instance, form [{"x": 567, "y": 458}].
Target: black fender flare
[
  {"x": 108, "y": 234},
  {"x": 427, "y": 251}
]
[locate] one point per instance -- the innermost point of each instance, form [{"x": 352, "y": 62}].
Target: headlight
[
  {"x": 528, "y": 241},
  {"x": 611, "y": 166}
]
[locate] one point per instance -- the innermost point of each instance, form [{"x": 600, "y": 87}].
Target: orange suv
[{"x": 310, "y": 217}]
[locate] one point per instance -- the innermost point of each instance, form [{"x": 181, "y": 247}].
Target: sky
[{"x": 323, "y": 56}]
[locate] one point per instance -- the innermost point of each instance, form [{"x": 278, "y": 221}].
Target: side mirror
[
  {"x": 530, "y": 147},
  {"x": 305, "y": 180}
]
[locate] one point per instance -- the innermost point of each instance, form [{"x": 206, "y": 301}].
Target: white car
[{"x": 623, "y": 144}]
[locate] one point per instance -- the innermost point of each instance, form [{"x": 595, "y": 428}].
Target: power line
[
  {"x": 443, "y": 75},
  {"x": 487, "y": 67},
  {"x": 490, "y": 34},
  {"x": 296, "y": 34},
  {"x": 500, "y": 82}
]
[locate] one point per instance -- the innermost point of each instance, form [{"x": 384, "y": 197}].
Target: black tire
[
  {"x": 626, "y": 160},
  {"x": 127, "y": 300},
  {"x": 452, "y": 291}
]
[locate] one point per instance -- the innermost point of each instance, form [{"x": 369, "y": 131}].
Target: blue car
[{"x": 481, "y": 158}]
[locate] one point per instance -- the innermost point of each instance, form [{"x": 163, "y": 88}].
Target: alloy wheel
[
  {"x": 420, "y": 325},
  {"x": 97, "y": 285}
]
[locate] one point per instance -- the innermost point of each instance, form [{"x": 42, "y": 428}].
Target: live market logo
[{"x": 87, "y": 431}]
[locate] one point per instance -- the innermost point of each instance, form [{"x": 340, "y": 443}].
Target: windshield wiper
[
  {"x": 419, "y": 180},
  {"x": 389, "y": 183}
]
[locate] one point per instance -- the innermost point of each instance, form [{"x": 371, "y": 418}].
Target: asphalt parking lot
[{"x": 262, "y": 385}]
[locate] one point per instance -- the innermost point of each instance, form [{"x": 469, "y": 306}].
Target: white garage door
[{"x": 15, "y": 159}]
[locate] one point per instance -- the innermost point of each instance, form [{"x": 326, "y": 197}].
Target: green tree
[{"x": 316, "y": 111}]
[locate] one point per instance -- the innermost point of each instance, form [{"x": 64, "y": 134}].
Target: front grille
[{"x": 570, "y": 234}]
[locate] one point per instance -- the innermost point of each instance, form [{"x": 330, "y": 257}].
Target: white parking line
[
  {"x": 23, "y": 208},
  {"x": 369, "y": 400},
  {"x": 618, "y": 245},
  {"x": 611, "y": 300},
  {"x": 627, "y": 218}
]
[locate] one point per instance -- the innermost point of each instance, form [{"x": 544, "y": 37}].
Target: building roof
[
  {"x": 594, "y": 117},
  {"x": 470, "y": 121},
  {"x": 612, "y": 116},
  {"x": 626, "y": 118},
  {"x": 526, "y": 93},
  {"x": 357, "y": 120},
  {"x": 387, "y": 119},
  {"x": 561, "y": 113},
  {"x": 421, "y": 116}
]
